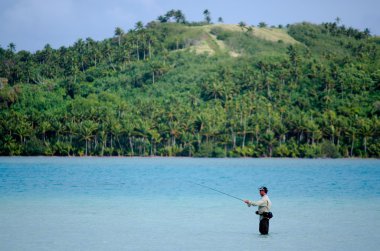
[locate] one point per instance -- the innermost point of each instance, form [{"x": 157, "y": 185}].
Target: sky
[{"x": 31, "y": 24}]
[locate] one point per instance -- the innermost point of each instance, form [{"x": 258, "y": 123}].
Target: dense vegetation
[{"x": 148, "y": 92}]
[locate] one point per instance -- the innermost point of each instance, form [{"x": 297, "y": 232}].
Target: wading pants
[{"x": 264, "y": 226}]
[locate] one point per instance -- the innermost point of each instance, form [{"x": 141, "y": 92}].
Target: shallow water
[{"x": 149, "y": 204}]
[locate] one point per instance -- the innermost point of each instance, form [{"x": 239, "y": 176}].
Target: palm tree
[
  {"x": 87, "y": 129},
  {"x": 71, "y": 129},
  {"x": 162, "y": 19},
  {"x": 188, "y": 140},
  {"x": 129, "y": 128},
  {"x": 138, "y": 35},
  {"x": 179, "y": 17},
  {"x": 299, "y": 126},
  {"x": 367, "y": 32},
  {"x": 155, "y": 138},
  {"x": 351, "y": 133},
  {"x": 330, "y": 122},
  {"x": 270, "y": 140},
  {"x": 311, "y": 128},
  {"x": 281, "y": 130},
  {"x": 139, "y": 26},
  {"x": 12, "y": 47},
  {"x": 157, "y": 69},
  {"x": 174, "y": 130},
  {"x": 92, "y": 51},
  {"x": 119, "y": 33},
  {"x": 199, "y": 125},
  {"x": 151, "y": 39},
  {"x": 232, "y": 125},
  {"x": 242, "y": 25},
  {"x": 44, "y": 127},
  {"x": 116, "y": 130},
  {"x": 365, "y": 130},
  {"x": 338, "y": 20},
  {"x": 79, "y": 47},
  {"x": 213, "y": 90},
  {"x": 23, "y": 129},
  {"x": 207, "y": 16},
  {"x": 103, "y": 138}
]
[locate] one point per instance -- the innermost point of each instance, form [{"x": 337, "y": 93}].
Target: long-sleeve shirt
[{"x": 264, "y": 205}]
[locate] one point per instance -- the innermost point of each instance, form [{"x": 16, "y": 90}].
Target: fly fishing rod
[{"x": 216, "y": 190}]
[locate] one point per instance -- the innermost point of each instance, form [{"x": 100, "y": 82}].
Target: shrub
[
  {"x": 220, "y": 33},
  {"x": 233, "y": 154},
  {"x": 206, "y": 150},
  {"x": 374, "y": 150},
  {"x": 329, "y": 150},
  {"x": 34, "y": 146},
  {"x": 62, "y": 148},
  {"x": 281, "y": 151},
  {"x": 219, "y": 152},
  {"x": 247, "y": 151},
  {"x": 9, "y": 146},
  {"x": 262, "y": 25},
  {"x": 171, "y": 151},
  {"x": 310, "y": 151},
  {"x": 293, "y": 148}
]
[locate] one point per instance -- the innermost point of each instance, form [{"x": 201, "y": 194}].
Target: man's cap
[{"x": 263, "y": 189}]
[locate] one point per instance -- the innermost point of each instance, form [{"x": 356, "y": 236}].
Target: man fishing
[{"x": 264, "y": 205}]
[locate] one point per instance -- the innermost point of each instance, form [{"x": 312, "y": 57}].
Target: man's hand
[{"x": 247, "y": 202}]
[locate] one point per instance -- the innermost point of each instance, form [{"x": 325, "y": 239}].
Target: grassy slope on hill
[{"x": 208, "y": 41}]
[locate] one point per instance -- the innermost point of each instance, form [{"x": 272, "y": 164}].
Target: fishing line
[{"x": 216, "y": 190}]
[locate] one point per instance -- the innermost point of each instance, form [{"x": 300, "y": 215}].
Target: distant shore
[{"x": 181, "y": 157}]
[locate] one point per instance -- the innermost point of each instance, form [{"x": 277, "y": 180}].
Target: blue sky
[{"x": 31, "y": 24}]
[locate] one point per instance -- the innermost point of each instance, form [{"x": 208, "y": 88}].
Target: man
[{"x": 264, "y": 205}]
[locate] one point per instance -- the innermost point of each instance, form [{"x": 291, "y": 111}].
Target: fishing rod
[{"x": 216, "y": 190}]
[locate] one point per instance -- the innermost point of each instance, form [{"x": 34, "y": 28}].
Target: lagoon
[{"x": 53, "y": 203}]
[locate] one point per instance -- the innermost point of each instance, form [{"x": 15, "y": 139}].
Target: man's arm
[{"x": 261, "y": 202}]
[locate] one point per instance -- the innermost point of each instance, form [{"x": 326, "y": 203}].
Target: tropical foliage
[{"x": 145, "y": 92}]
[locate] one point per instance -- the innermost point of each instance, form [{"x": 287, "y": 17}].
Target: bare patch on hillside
[{"x": 208, "y": 43}]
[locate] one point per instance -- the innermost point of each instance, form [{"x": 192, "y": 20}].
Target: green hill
[{"x": 195, "y": 89}]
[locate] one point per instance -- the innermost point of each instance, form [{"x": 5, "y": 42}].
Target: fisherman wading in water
[{"x": 264, "y": 205}]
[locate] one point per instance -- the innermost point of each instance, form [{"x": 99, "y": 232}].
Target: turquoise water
[{"x": 149, "y": 204}]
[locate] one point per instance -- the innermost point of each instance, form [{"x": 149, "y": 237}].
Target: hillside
[
  {"x": 196, "y": 89},
  {"x": 209, "y": 43}
]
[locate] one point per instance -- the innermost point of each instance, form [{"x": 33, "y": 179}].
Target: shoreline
[{"x": 182, "y": 157}]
